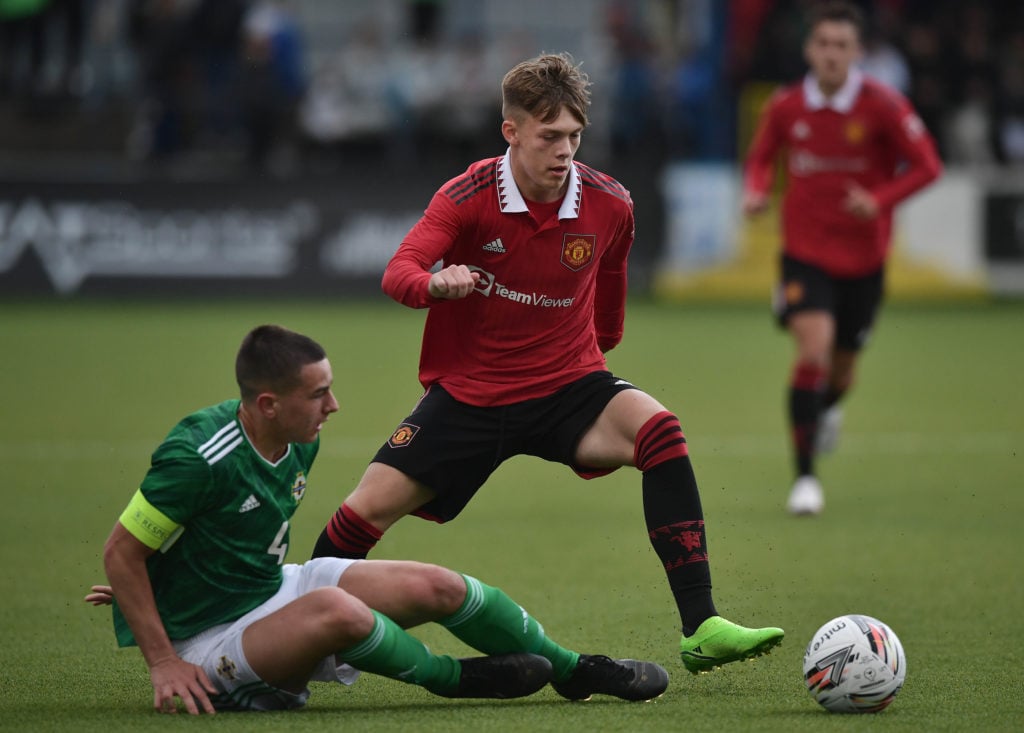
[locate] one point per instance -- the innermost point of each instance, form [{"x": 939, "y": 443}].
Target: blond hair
[{"x": 543, "y": 85}]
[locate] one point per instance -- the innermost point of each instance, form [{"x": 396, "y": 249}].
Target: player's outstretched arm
[{"x": 124, "y": 560}]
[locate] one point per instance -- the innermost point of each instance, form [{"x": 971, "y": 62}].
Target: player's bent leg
[
  {"x": 718, "y": 641},
  {"x": 285, "y": 647},
  {"x": 410, "y": 593},
  {"x": 390, "y": 651},
  {"x": 492, "y": 622},
  {"x": 383, "y": 496},
  {"x": 611, "y": 440}
]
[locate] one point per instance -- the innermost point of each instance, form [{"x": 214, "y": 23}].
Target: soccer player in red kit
[
  {"x": 853, "y": 149},
  {"x": 530, "y": 293}
]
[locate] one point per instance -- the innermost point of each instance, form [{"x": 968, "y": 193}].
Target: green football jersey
[{"x": 232, "y": 508}]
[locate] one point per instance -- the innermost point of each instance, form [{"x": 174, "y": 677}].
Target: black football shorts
[
  {"x": 853, "y": 302},
  {"x": 452, "y": 447}
]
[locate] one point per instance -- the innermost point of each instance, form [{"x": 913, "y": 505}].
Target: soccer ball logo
[{"x": 854, "y": 664}]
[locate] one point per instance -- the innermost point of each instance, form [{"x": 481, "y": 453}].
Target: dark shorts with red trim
[
  {"x": 853, "y": 302},
  {"x": 452, "y": 448}
]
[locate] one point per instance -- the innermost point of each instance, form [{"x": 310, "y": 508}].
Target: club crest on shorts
[
  {"x": 403, "y": 435},
  {"x": 578, "y": 250},
  {"x": 793, "y": 292},
  {"x": 227, "y": 668}
]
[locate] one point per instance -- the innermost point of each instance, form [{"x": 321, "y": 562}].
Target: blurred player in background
[
  {"x": 530, "y": 294},
  {"x": 198, "y": 579},
  {"x": 853, "y": 149}
]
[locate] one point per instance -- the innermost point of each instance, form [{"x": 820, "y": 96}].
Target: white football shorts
[{"x": 218, "y": 650}]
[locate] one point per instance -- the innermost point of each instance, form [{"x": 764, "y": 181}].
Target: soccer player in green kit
[{"x": 198, "y": 579}]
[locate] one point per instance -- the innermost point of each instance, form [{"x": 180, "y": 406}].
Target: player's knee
[
  {"x": 338, "y": 615},
  {"x": 433, "y": 590},
  {"x": 659, "y": 439}
]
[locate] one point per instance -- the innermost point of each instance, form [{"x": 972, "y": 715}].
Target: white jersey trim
[
  {"x": 222, "y": 443},
  {"x": 842, "y": 101},
  {"x": 511, "y": 200}
]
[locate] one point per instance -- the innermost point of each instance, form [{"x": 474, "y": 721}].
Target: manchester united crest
[
  {"x": 403, "y": 435},
  {"x": 578, "y": 250},
  {"x": 854, "y": 132}
]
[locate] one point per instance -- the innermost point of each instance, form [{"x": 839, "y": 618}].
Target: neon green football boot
[{"x": 718, "y": 641}]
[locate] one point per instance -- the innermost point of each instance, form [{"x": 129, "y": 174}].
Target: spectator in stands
[{"x": 273, "y": 82}]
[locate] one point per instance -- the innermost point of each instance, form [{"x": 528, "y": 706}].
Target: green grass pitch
[{"x": 922, "y": 527}]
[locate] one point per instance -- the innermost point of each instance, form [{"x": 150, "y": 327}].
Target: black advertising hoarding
[
  {"x": 1004, "y": 227},
  {"x": 321, "y": 235},
  {"x": 215, "y": 237}
]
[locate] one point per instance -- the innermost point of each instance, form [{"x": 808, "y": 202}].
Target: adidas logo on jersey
[
  {"x": 495, "y": 246},
  {"x": 249, "y": 504}
]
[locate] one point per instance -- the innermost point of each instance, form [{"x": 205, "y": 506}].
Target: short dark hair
[
  {"x": 542, "y": 85},
  {"x": 837, "y": 11},
  {"x": 271, "y": 358}
]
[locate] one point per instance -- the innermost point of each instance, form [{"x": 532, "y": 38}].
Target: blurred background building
[{"x": 335, "y": 108}]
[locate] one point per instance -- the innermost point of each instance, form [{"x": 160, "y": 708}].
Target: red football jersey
[
  {"x": 866, "y": 133},
  {"x": 551, "y": 296}
]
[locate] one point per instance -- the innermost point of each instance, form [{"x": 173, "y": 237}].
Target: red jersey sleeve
[
  {"x": 407, "y": 275},
  {"x": 917, "y": 149},
  {"x": 611, "y": 286},
  {"x": 761, "y": 158}
]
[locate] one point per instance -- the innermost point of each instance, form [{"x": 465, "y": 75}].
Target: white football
[{"x": 854, "y": 664}]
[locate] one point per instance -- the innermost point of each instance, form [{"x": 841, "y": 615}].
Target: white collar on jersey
[
  {"x": 842, "y": 100},
  {"x": 511, "y": 200}
]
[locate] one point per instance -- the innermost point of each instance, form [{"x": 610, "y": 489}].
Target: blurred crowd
[{"x": 265, "y": 81}]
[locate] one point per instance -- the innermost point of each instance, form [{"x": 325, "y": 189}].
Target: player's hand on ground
[
  {"x": 102, "y": 595},
  {"x": 754, "y": 202},
  {"x": 453, "y": 282},
  {"x": 174, "y": 677},
  {"x": 860, "y": 202}
]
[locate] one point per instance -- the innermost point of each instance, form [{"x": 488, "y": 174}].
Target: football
[{"x": 854, "y": 664}]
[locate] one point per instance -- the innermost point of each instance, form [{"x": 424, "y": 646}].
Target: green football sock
[
  {"x": 493, "y": 623},
  {"x": 391, "y": 652}
]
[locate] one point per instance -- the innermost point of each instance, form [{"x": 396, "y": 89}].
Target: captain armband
[{"x": 149, "y": 525}]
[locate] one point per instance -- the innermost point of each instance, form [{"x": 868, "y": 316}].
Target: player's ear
[
  {"x": 266, "y": 403},
  {"x": 509, "y": 131}
]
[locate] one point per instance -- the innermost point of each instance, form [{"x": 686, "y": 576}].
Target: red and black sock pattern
[
  {"x": 347, "y": 535},
  {"x": 806, "y": 397},
  {"x": 675, "y": 520},
  {"x": 660, "y": 439}
]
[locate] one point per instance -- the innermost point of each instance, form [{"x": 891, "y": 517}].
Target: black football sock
[
  {"x": 675, "y": 523},
  {"x": 832, "y": 397},
  {"x": 806, "y": 392},
  {"x": 347, "y": 535}
]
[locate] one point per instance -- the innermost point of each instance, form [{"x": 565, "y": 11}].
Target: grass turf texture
[{"x": 921, "y": 527}]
